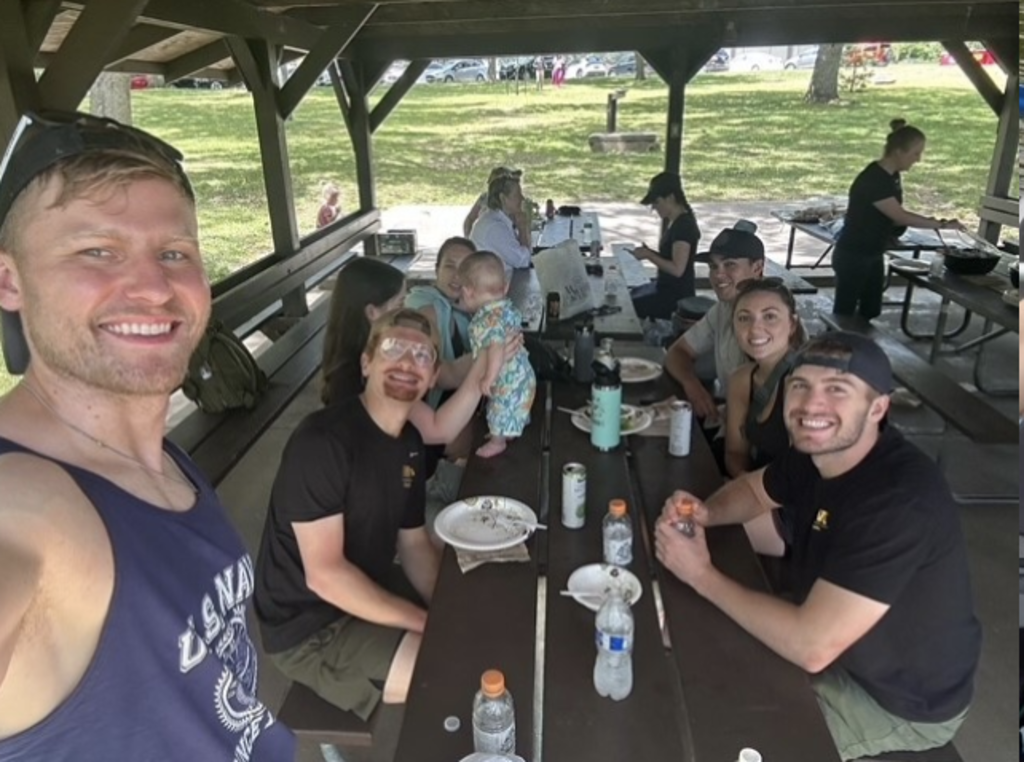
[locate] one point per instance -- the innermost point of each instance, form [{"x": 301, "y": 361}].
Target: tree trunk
[
  {"x": 641, "y": 67},
  {"x": 110, "y": 96},
  {"x": 492, "y": 69},
  {"x": 824, "y": 87}
]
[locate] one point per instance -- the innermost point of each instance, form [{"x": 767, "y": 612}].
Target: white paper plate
[
  {"x": 910, "y": 266},
  {"x": 1011, "y": 298},
  {"x": 487, "y": 522},
  {"x": 636, "y": 370},
  {"x": 591, "y": 583},
  {"x": 637, "y": 419}
]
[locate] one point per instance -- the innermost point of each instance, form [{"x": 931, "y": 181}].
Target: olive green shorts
[
  {"x": 862, "y": 728},
  {"x": 347, "y": 662}
]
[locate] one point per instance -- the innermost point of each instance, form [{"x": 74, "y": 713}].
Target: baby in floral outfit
[{"x": 510, "y": 385}]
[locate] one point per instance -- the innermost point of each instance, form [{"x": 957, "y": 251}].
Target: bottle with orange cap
[
  {"x": 617, "y": 534},
  {"x": 684, "y": 517},
  {"x": 494, "y": 716}
]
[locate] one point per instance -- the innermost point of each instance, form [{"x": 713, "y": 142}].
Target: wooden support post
[
  {"x": 1004, "y": 154},
  {"x": 258, "y": 61},
  {"x": 18, "y": 90},
  {"x": 362, "y": 137}
]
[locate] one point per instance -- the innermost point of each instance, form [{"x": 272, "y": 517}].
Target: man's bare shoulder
[{"x": 39, "y": 498}]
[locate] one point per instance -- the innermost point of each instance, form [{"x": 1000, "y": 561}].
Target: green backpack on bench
[{"x": 222, "y": 374}]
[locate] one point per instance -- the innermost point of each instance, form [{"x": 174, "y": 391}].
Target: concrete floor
[{"x": 987, "y": 734}]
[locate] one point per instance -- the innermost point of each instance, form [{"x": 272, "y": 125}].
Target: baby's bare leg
[{"x": 493, "y": 446}]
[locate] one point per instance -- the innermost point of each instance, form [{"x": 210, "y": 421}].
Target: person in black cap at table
[
  {"x": 675, "y": 254},
  {"x": 883, "y": 614},
  {"x": 123, "y": 586}
]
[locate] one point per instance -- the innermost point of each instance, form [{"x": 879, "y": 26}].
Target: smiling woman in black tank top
[{"x": 768, "y": 330}]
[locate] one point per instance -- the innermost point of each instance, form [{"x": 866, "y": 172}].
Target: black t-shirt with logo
[
  {"x": 336, "y": 461},
  {"x": 888, "y": 529},
  {"x": 683, "y": 229},
  {"x": 866, "y": 231}
]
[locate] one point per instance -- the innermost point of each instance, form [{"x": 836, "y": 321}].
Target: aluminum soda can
[
  {"x": 574, "y": 495},
  {"x": 679, "y": 428}
]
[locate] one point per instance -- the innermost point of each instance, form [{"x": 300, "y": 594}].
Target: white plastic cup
[{"x": 749, "y": 755}]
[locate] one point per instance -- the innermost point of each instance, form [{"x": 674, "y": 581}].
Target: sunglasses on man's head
[
  {"x": 76, "y": 132},
  {"x": 393, "y": 349}
]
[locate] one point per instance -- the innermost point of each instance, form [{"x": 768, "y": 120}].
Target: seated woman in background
[
  {"x": 676, "y": 251},
  {"x": 366, "y": 289},
  {"x": 481, "y": 201},
  {"x": 768, "y": 331}
]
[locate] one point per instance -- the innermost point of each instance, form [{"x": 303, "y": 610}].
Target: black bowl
[
  {"x": 970, "y": 261},
  {"x": 1015, "y": 274}
]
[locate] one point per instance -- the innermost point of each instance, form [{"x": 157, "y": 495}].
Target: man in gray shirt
[{"x": 736, "y": 255}]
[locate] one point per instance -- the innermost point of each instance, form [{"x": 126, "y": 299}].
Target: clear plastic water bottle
[
  {"x": 613, "y": 670},
  {"x": 588, "y": 234},
  {"x": 494, "y": 716},
  {"x": 617, "y": 535}
]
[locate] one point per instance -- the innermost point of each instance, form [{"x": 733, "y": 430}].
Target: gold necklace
[{"x": 104, "y": 446}]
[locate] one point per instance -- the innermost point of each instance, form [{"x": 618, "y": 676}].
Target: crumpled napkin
[{"x": 471, "y": 559}]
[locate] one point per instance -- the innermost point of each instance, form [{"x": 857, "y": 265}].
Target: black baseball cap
[
  {"x": 661, "y": 185},
  {"x": 862, "y": 358},
  {"x": 735, "y": 243},
  {"x": 44, "y": 139}
]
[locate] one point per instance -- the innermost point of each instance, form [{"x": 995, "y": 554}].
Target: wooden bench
[
  {"x": 946, "y": 753},
  {"x": 216, "y": 442},
  {"x": 310, "y": 716},
  {"x": 979, "y": 421}
]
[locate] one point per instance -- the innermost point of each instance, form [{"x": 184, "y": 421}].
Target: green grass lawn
[{"x": 746, "y": 137}]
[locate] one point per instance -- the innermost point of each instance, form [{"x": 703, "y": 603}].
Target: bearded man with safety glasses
[{"x": 335, "y": 612}]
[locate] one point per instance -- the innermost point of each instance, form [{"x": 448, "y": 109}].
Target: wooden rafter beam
[
  {"x": 976, "y": 74},
  {"x": 95, "y": 36},
  {"x": 396, "y": 92},
  {"x": 331, "y": 44},
  {"x": 201, "y": 58},
  {"x": 228, "y": 17},
  {"x": 39, "y": 15},
  {"x": 141, "y": 37}
]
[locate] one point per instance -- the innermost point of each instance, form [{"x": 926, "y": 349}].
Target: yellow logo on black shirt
[
  {"x": 408, "y": 474},
  {"x": 821, "y": 521}
]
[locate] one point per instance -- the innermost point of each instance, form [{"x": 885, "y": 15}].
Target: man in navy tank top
[{"x": 123, "y": 587}]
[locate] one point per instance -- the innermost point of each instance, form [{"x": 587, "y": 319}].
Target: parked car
[
  {"x": 718, "y": 62},
  {"x": 517, "y": 68},
  {"x": 624, "y": 67},
  {"x": 869, "y": 54},
  {"x": 984, "y": 57},
  {"x": 396, "y": 70},
  {"x": 430, "y": 73},
  {"x": 466, "y": 70},
  {"x": 802, "y": 60},
  {"x": 588, "y": 66},
  {"x": 197, "y": 82},
  {"x": 752, "y": 60}
]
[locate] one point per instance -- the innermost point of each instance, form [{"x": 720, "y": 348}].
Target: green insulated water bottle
[{"x": 606, "y": 404}]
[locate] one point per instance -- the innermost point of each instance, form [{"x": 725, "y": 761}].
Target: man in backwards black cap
[
  {"x": 123, "y": 587},
  {"x": 883, "y": 615}
]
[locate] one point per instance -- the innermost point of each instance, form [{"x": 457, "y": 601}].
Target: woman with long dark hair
[
  {"x": 364, "y": 290},
  {"x": 676, "y": 250}
]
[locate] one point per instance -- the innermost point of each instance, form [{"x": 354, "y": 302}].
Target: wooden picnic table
[
  {"x": 637, "y": 275},
  {"x": 562, "y": 228},
  {"x": 717, "y": 690},
  {"x": 913, "y": 241}
]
